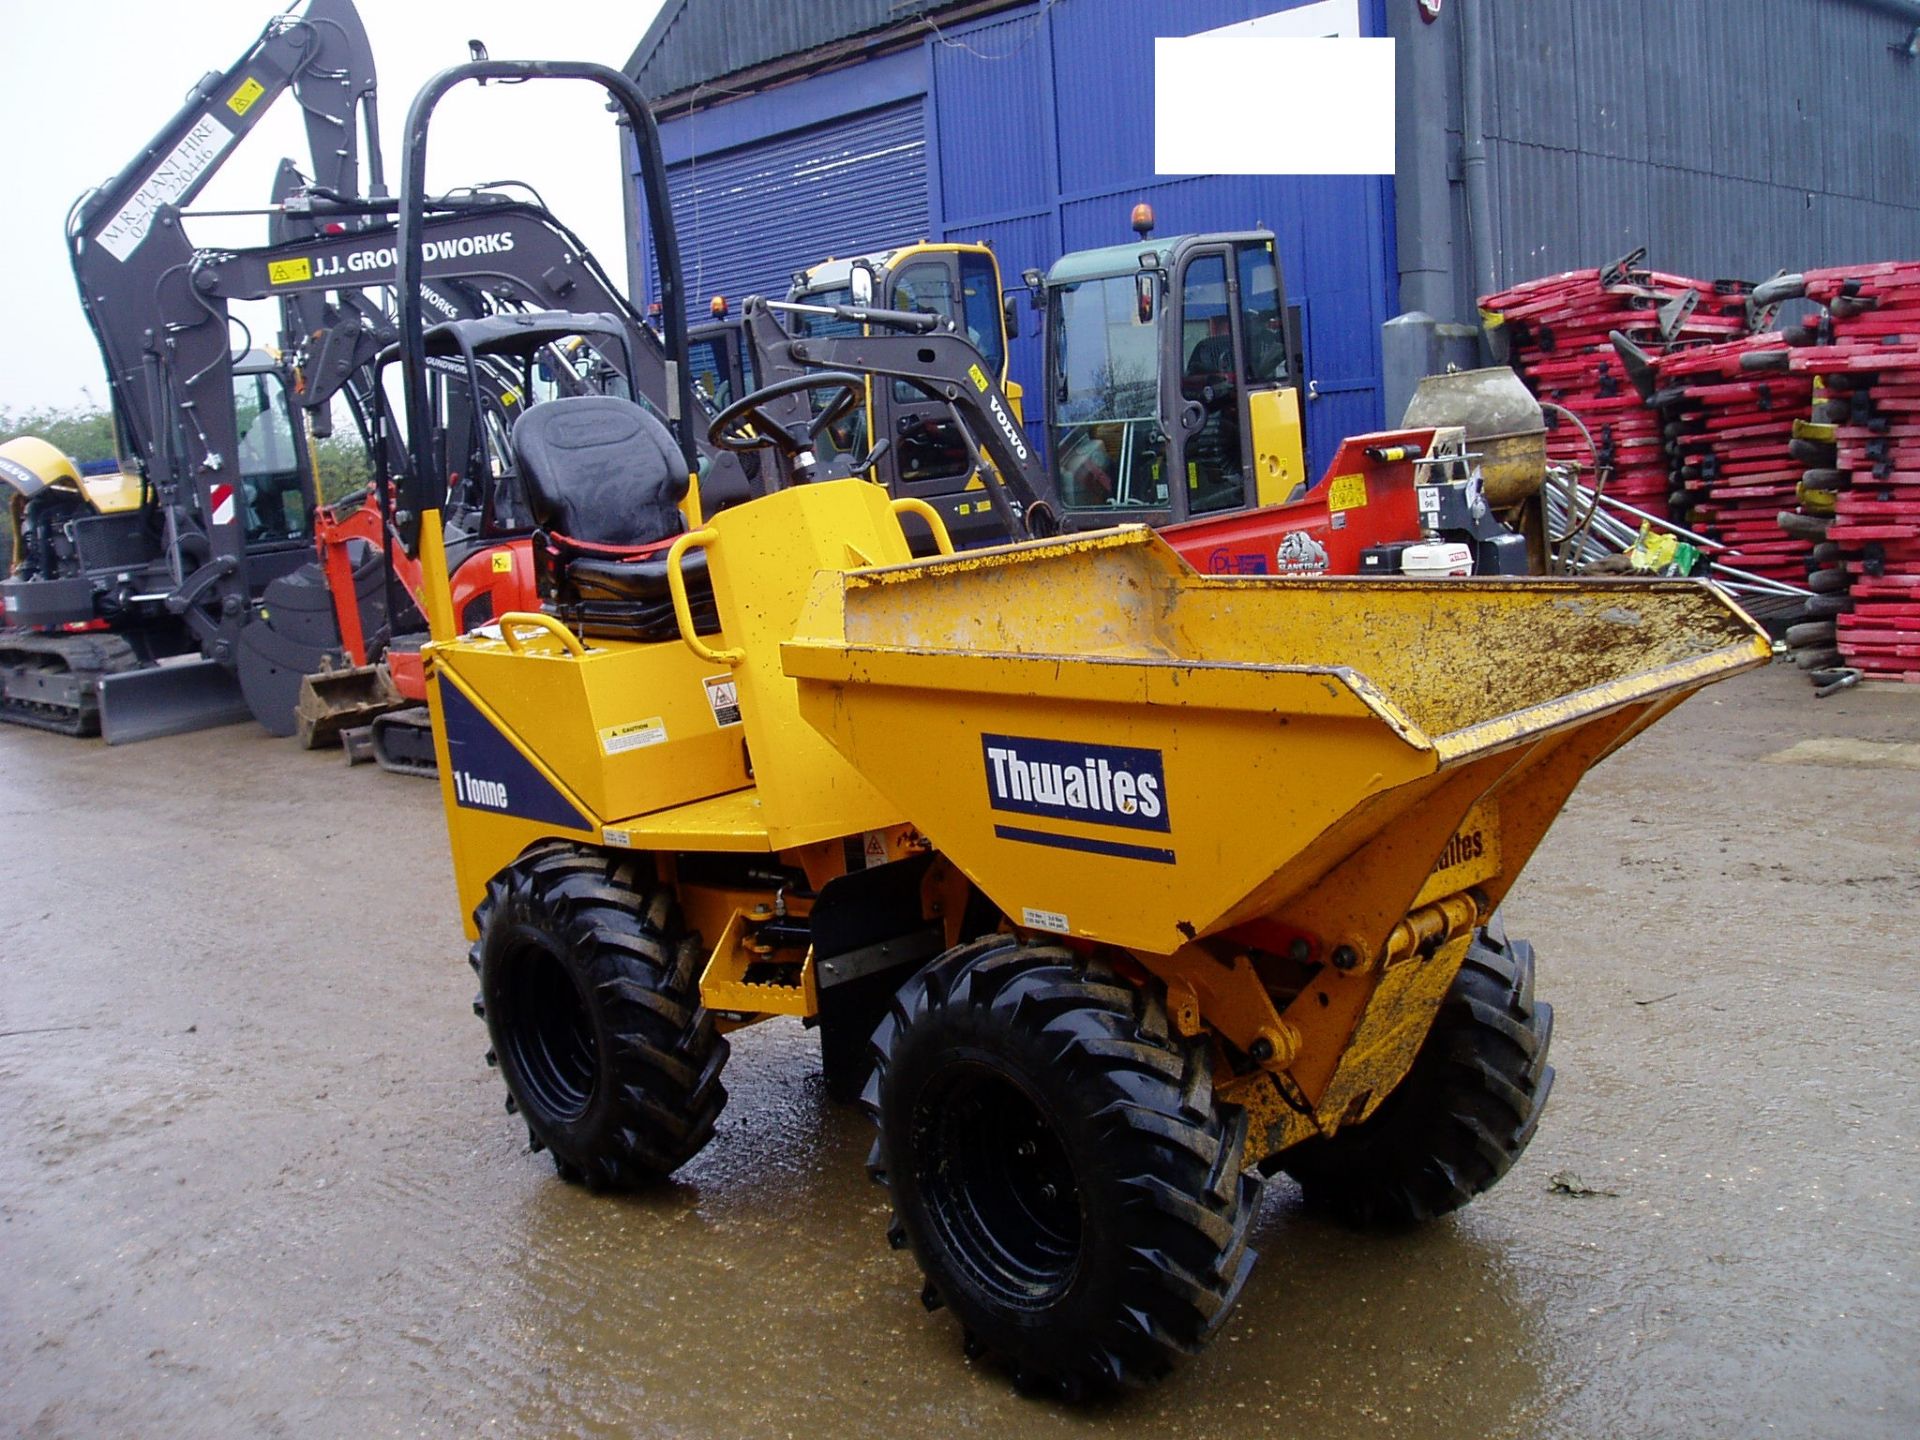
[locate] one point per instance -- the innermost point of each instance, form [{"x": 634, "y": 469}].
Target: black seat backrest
[{"x": 601, "y": 470}]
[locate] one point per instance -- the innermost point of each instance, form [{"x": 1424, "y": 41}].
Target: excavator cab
[
  {"x": 959, "y": 283},
  {"x": 1171, "y": 392},
  {"x": 277, "y": 490}
]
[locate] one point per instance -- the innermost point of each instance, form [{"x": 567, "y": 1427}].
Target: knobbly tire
[
  {"x": 1462, "y": 1115},
  {"x": 1058, "y": 1165},
  {"x": 590, "y": 989}
]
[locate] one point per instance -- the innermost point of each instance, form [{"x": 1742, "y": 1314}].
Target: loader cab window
[
  {"x": 1210, "y": 377},
  {"x": 274, "y": 501},
  {"x": 1262, "y": 318},
  {"x": 1107, "y": 447}
]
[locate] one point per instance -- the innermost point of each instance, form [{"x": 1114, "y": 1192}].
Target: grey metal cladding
[
  {"x": 693, "y": 42},
  {"x": 1731, "y": 137}
]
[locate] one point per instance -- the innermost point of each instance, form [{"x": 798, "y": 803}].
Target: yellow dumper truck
[{"x": 1110, "y": 886}]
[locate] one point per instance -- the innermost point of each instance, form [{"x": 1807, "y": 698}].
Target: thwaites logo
[
  {"x": 1103, "y": 784},
  {"x": 1465, "y": 846}
]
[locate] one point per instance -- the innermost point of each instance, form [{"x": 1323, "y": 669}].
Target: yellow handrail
[
  {"x": 533, "y": 620},
  {"x": 682, "y": 611},
  {"x": 909, "y": 505}
]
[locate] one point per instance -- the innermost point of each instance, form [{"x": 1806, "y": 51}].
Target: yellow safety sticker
[
  {"x": 242, "y": 99},
  {"x": 723, "y": 697},
  {"x": 502, "y": 562},
  {"x": 289, "y": 272},
  {"x": 634, "y": 735},
  {"x": 1346, "y": 492},
  {"x": 978, "y": 376}
]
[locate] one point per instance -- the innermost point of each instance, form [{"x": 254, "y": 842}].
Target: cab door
[
  {"x": 275, "y": 495},
  {"x": 1270, "y": 355},
  {"x": 1203, "y": 386}
]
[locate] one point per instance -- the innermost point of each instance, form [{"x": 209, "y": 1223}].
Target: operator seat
[{"x": 603, "y": 479}]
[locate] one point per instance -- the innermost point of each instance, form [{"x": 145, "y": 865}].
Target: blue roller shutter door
[{"x": 749, "y": 217}]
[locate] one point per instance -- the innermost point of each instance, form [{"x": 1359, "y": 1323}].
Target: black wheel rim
[
  {"x": 997, "y": 1185},
  {"x": 547, "y": 1033}
]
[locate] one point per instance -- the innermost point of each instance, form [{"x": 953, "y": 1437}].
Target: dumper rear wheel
[
  {"x": 1467, "y": 1108},
  {"x": 589, "y": 985},
  {"x": 1058, "y": 1165}
]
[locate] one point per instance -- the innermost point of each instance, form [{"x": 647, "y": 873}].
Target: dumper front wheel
[
  {"x": 589, "y": 986},
  {"x": 1058, "y": 1165},
  {"x": 1466, "y": 1109}
]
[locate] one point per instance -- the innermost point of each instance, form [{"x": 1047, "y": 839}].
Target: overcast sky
[{"x": 84, "y": 84}]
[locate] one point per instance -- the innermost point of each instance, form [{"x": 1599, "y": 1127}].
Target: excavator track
[
  {"x": 403, "y": 742},
  {"x": 52, "y": 682}
]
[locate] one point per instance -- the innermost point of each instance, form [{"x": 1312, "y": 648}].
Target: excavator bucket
[
  {"x": 336, "y": 699},
  {"x": 1142, "y": 755},
  {"x": 168, "y": 699}
]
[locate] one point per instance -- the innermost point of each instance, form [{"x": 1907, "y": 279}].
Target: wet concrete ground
[{"x": 256, "y": 1181}]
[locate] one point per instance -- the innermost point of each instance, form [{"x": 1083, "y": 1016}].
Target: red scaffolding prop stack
[
  {"x": 1730, "y": 413},
  {"x": 1558, "y": 329},
  {"x": 1865, "y": 350}
]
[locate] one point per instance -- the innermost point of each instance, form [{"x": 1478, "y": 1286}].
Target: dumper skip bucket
[{"x": 1115, "y": 747}]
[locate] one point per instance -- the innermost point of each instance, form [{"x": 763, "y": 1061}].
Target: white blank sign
[{"x": 1272, "y": 105}]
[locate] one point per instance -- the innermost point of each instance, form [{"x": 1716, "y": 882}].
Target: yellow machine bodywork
[
  {"x": 1288, "y": 801},
  {"x": 29, "y": 465},
  {"x": 646, "y": 746},
  {"x": 1279, "y": 444},
  {"x": 1346, "y": 776}
]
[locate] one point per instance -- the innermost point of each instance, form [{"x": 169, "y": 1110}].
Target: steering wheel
[{"x": 753, "y": 422}]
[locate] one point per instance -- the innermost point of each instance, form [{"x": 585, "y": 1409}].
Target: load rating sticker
[
  {"x": 634, "y": 735},
  {"x": 723, "y": 696},
  {"x": 1045, "y": 920}
]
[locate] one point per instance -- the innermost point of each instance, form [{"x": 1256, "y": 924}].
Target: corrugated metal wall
[
  {"x": 1040, "y": 120},
  {"x": 1730, "y": 137},
  {"x": 748, "y": 217},
  {"x": 1043, "y": 127}
]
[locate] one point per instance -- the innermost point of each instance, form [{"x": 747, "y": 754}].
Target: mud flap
[{"x": 172, "y": 699}]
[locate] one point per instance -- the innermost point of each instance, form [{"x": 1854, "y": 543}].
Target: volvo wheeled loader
[
  {"x": 1110, "y": 886},
  {"x": 1411, "y": 500}
]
